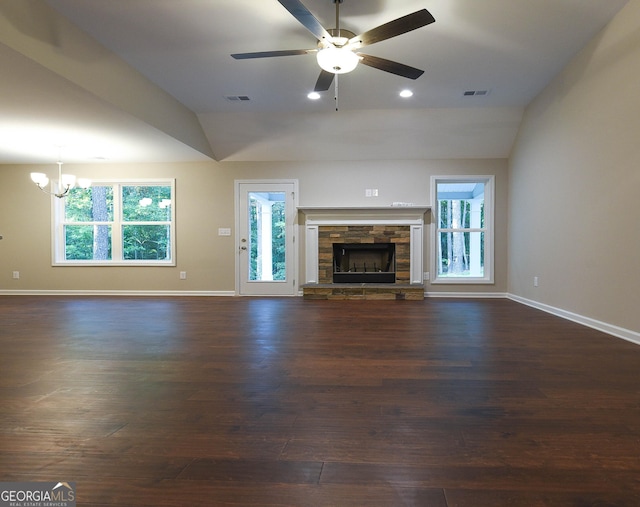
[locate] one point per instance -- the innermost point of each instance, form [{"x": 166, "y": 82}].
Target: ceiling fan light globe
[{"x": 337, "y": 60}]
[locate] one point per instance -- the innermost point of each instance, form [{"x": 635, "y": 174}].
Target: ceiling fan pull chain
[{"x": 336, "y": 92}]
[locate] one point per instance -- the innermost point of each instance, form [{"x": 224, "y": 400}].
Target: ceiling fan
[{"x": 338, "y": 49}]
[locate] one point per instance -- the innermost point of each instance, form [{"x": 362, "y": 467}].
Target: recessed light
[
  {"x": 313, "y": 96},
  {"x": 405, "y": 94}
]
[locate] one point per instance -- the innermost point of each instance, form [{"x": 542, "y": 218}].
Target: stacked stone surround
[{"x": 400, "y": 235}]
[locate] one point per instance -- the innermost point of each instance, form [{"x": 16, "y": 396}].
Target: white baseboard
[
  {"x": 462, "y": 295},
  {"x": 619, "y": 332},
  {"x": 140, "y": 293}
]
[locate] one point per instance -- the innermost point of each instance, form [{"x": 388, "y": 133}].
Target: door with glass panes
[{"x": 266, "y": 254}]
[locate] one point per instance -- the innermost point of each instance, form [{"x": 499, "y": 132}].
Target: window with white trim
[
  {"x": 116, "y": 223},
  {"x": 462, "y": 241}
]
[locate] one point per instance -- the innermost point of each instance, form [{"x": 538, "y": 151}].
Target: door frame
[{"x": 294, "y": 227}]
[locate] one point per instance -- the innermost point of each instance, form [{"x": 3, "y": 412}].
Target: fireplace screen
[{"x": 364, "y": 263}]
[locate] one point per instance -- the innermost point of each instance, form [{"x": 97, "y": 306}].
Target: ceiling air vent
[
  {"x": 237, "y": 98},
  {"x": 471, "y": 93}
]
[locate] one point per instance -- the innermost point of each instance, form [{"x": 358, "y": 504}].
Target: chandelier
[{"x": 65, "y": 182}]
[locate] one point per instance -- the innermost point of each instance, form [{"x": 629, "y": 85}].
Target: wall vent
[
  {"x": 471, "y": 93},
  {"x": 237, "y": 98}
]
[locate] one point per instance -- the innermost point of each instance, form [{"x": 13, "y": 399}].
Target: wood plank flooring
[{"x": 285, "y": 402}]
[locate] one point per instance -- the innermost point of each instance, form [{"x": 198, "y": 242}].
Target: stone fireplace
[
  {"x": 364, "y": 262},
  {"x": 389, "y": 241},
  {"x": 369, "y": 238}
]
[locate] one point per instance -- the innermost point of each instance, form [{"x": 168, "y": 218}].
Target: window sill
[
  {"x": 114, "y": 264},
  {"x": 462, "y": 281}
]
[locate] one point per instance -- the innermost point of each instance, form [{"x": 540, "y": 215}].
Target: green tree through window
[
  {"x": 267, "y": 207},
  {"x": 116, "y": 223},
  {"x": 463, "y": 238}
]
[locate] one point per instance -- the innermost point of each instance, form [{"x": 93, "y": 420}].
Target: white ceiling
[{"x": 510, "y": 48}]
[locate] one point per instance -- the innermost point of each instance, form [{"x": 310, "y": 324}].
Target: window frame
[
  {"x": 488, "y": 229},
  {"x": 58, "y": 226}
]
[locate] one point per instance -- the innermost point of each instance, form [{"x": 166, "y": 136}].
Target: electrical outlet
[
  {"x": 425, "y": 275},
  {"x": 374, "y": 192},
  {"x": 535, "y": 281},
  {"x": 368, "y": 192},
  {"x": 16, "y": 275},
  {"x": 183, "y": 275}
]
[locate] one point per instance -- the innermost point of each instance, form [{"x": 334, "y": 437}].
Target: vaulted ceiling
[{"x": 153, "y": 80}]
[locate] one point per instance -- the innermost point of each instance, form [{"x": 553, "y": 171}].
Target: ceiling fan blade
[
  {"x": 269, "y": 54},
  {"x": 302, "y": 14},
  {"x": 324, "y": 81},
  {"x": 393, "y": 28},
  {"x": 399, "y": 69}
]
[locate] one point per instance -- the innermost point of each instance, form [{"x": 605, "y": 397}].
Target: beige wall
[
  {"x": 574, "y": 183},
  {"x": 205, "y": 202}
]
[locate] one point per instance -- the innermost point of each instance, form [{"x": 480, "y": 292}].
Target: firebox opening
[{"x": 364, "y": 263}]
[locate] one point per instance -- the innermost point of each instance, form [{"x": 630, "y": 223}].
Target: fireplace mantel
[
  {"x": 412, "y": 216},
  {"x": 382, "y": 215}
]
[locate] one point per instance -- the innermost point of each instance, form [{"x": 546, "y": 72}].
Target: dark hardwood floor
[{"x": 284, "y": 402}]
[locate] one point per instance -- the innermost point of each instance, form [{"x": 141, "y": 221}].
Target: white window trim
[
  {"x": 489, "y": 221},
  {"x": 57, "y": 226}
]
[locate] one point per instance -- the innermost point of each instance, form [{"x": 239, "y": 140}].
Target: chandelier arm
[
  {"x": 63, "y": 193},
  {"x": 60, "y": 195},
  {"x": 66, "y": 191}
]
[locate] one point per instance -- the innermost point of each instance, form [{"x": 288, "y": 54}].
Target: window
[
  {"x": 123, "y": 223},
  {"x": 462, "y": 250}
]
